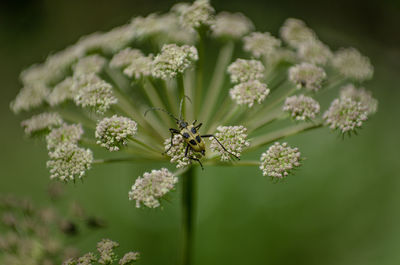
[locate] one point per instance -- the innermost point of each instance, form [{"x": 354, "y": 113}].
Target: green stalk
[
  {"x": 156, "y": 101},
  {"x": 200, "y": 72},
  {"x": 188, "y": 214},
  {"x": 279, "y": 134},
  {"x": 217, "y": 81},
  {"x": 181, "y": 91},
  {"x": 124, "y": 159}
]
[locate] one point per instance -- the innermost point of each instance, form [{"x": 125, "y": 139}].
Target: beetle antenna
[
  {"x": 181, "y": 104},
  {"x": 169, "y": 113}
]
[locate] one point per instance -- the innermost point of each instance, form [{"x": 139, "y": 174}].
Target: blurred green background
[{"x": 342, "y": 206}]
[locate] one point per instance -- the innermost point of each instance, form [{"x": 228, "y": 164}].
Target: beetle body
[{"x": 191, "y": 136}]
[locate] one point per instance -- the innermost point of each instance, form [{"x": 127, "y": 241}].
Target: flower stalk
[{"x": 189, "y": 194}]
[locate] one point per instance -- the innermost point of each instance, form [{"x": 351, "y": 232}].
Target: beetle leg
[
  {"x": 173, "y": 132},
  {"x": 198, "y": 126},
  {"x": 192, "y": 157},
  {"x": 223, "y": 147}
]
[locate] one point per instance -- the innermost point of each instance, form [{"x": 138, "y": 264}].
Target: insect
[{"x": 191, "y": 135}]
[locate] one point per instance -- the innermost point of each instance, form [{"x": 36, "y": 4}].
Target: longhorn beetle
[{"x": 190, "y": 134}]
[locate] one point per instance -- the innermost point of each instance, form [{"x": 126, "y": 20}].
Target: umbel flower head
[
  {"x": 360, "y": 95},
  {"x": 106, "y": 255},
  {"x": 41, "y": 123},
  {"x": 261, "y": 44},
  {"x": 352, "y": 64},
  {"x": 249, "y": 92},
  {"x": 229, "y": 140},
  {"x": 69, "y": 162},
  {"x": 346, "y": 114},
  {"x": 173, "y": 60},
  {"x": 186, "y": 88},
  {"x": 307, "y": 75},
  {"x": 315, "y": 52},
  {"x": 65, "y": 134},
  {"x": 301, "y": 107},
  {"x": 95, "y": 93},
  {"x": 148, "y": 189},
  {"x": 112, "y": 133},
  {"x": 279, "y": 160},
  {"x": 231, "y": 25},
  {"x": 133, "y": 62},
  {"x": 200, "y": 13},
  {"x": 295, "y": 32},
  {"x": 243, "y": 70},
  {"x": 106, "y": 250}
]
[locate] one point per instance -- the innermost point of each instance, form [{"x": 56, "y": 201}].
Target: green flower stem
[
  {"x": 333, "y": 83},
  {"x": 200, "y": 71},
  {"x": 277, "y": 135},
  {"x": 88, "y": 142},
  {"x": 129, "y": 109},
  {"x": 214, "y": 161},
  {"x": 188, "y": 213},
  {"x": 217, "y": 81},
  {"x": 138, "y": 159},
  {"x": 181, "y": 93},
  {"x": 127, "y": 106},
  {"x": 267, "y": 119},
  {"x": 74, "y": 118},
  {"x": 160, "y": 87},
  {"x": 275, "y": 102},
  {"x": 172, "y": 96},
  {"x": 148, "y": 147},
  {"x": 223, "y": 109},
  {"x": 156, "y": 101},
  {"x": 233, "y": 112},
  {"x": 189, "y": 80}
]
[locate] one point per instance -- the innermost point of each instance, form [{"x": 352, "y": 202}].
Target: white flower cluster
[
  {"x": 231, "y": 25},
  {"x": 301, "y": 107},
  {"x": 307, "y": 75},
  {"x": 69, "y": 162},
  {"x": 94, "y": 93},
  {"x": 64, "y": 134},
  {"x": 295, "y": 32},
  {"x": 29, "y": 97},
  {"x": 91, "y": 64},
  {"x": 163, "y": 28},
  {"x": 133, "y": 62},
  {"x": 129, "y": 258},
  {"x": 352, "y": 64},
  {"x": 233, "y": 138},
  {"x": 243, "y": 70},
  {"x": 249, "y": 92},
  {"x": 108, "y": 42},
  {"x": 113, "y": 133},
  {"x": 177, "y": 151},
  {"x": 261, "y": 44},
  {"x": 61, "y": 92},
  {"x": 41, "y": 123},
  {"x": 346, "y": 114},
  {"x": 279, "y": 160},
  {"x": 360, "y": 95},
  {"x": 200, "y": 13},
  {"x": 173, "y": 59},
  {"x": 87, "y": 259},
  {"x": 106, "y": 250},
  {"x": 150, "y": 188},
  {"x": 315, "y": 52}
]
